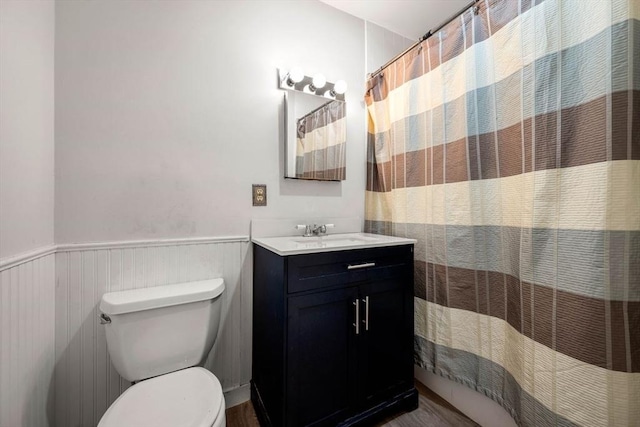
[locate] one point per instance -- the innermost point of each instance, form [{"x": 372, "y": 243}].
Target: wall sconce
[{"x": 295, "y": 79}]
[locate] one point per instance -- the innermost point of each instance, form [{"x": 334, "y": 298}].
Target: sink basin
[
  {"x": 335, "y": 240},
  {"x": 294, "y": 245}
]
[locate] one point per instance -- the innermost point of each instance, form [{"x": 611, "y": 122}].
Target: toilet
[{"x": 156, "y": 339}]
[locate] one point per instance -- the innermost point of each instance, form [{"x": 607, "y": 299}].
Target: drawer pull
[
  {"x": 365, "y": 265},
  {"x": 357, "y": 322}
]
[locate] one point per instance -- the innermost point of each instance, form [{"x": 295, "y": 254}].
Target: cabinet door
[
  {"x": 322, "y": 376},
  {"x": 386, "y": 353}
]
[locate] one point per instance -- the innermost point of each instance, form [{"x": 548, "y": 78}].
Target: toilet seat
[{"x": 191, "y": 398}]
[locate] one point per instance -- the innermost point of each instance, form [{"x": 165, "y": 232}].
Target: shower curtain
[
  {"x": 321, "y": 141},
  {"x": 508, "y": 145}
]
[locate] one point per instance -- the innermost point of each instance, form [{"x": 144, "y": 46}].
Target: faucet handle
[{"x": 321, "y": 229}]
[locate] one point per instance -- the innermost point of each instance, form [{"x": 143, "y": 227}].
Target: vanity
[{"x": 332, "y": 329}]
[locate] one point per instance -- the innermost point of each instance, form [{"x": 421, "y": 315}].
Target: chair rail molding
[{"x": 15, "y": 260}]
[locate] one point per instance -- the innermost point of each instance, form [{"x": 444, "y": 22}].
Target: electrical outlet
[{"x": 259, "y": 195}]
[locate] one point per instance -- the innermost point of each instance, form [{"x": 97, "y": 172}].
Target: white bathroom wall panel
[
  {"x": 27, "y": 350},
  {"x": 382, "y": 45},
  {"x": 86, "y": 383},
  {"x": 27, "y": 34}
]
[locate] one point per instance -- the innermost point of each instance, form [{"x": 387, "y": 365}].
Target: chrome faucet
[
  {"x": 307, "y": 230},
  {"x": 320, "y": 229},
  {"x": 314, "y": 230}
]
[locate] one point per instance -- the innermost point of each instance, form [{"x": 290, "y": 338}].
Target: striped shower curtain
[
  {"x": 508, "y": 145},
  {"x": 321, "y": 143}
]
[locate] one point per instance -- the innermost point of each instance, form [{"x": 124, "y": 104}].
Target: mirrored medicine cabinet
[{"x": 315, "y": 137}]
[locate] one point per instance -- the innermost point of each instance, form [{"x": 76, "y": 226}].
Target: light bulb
[
  {"x": 340, "y": 87},
  {"x": 296, "y": 74},
  {"x": 319, "y": 81}
]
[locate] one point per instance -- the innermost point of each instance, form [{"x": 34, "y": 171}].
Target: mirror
[{"x": 315, "y": 137}]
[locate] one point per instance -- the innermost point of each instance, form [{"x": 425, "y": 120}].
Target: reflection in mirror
[{"x": 316, "y": 136}]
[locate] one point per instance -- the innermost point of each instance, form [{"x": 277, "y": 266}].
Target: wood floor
[{"x": 432, "y": 411}]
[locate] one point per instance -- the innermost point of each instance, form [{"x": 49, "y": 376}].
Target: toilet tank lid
[{"x": 160, "y": 296}]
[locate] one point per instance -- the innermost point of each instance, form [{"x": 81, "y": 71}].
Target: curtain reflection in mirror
[{"x": 321, "y": 143}]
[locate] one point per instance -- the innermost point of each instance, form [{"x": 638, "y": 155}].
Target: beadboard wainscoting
[
  {"x": 85, "y": 381},
  {"x": 27, "y": 334}
]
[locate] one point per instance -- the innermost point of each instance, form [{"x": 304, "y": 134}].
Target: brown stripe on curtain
[
  {"x": 581, "y": 331},
  {"x": 583, "y": 141},
  {"x": 338, "y": 174}
]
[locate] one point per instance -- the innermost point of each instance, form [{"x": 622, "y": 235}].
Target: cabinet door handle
[
  {"x": 357, "y": 322},
  {"x": 365, "y": 300},
  {"x": 365, "y": 265}
]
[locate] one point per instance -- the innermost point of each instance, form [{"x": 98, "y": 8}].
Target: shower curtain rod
[
  {"x": 315, "y": 110},
  {"x": 423, "y": 38}
]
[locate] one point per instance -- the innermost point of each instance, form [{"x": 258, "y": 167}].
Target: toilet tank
[{"x": 154, "y": 331}]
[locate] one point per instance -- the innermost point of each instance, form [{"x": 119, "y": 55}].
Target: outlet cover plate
[{"x": 259, "y": 194}]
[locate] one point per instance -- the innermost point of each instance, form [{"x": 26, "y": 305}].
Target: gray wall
[
  {"x": 167, "y": 112},
  {"x": 382, "y": 45},
  {"x": 27, "y": 335},
  {"x": 26, "y": 126}
]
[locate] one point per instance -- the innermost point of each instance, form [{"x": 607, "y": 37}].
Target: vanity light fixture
[
  {"x": 295, "y": 79},
  {"x": 318, "y": 82},
  {"x": 310, "y": 89},
  {"x": 295, "y": 75},
  {"x": 339, "y": 88}
]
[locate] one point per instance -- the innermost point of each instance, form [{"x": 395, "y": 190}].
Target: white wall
[
  {"x": 382, "y": 46},
  {"x": 26, "y": 125},
  {"x": 167, "y": 112},
  {"x": 27, "y": 285}
]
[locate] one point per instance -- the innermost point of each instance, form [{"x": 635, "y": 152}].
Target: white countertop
[{"x": 296, "y": 245}]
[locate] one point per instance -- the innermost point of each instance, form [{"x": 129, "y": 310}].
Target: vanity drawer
[{"x": 329, "y": 269}]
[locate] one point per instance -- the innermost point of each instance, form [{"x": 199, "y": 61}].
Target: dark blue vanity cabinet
[{"x": 332, "y": 336}]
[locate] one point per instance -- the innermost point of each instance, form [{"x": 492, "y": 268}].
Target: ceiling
[{"x": 409, "y": 18}]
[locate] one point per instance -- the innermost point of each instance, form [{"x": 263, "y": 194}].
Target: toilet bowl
[
  {"x": 156, "y": 337},
  {"x": 190, "y": 397}
]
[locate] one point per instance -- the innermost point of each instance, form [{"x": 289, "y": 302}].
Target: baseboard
[{"x": 238, "y": 395}]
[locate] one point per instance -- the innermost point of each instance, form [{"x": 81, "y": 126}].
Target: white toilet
[{"x": 159, "y": 335}]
